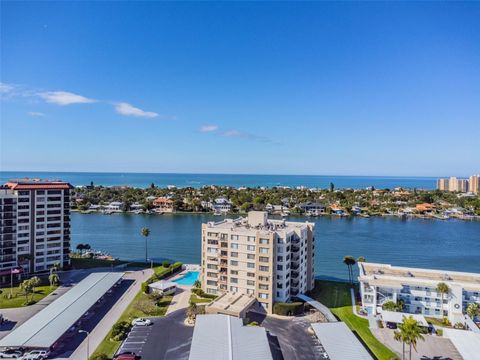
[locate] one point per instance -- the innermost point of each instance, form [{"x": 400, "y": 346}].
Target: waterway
[{"x": 448, "y": 245}]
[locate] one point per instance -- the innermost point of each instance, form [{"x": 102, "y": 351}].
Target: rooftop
[
  {"x": 232, "y": 303},
  {"x": 220, "y": 337},
  {"x": 339, "y": 342},
  {"x": 394, "y": 275},
  {"x": 30, "y": 184},
  {"x": 46, "y": 327}
]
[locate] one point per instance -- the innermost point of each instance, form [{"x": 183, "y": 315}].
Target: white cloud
[
  {"x": 64, "y": 98},
  {"x": 208, "y": 128},
  {"x": 5, "y": 88},
  {"x": 129, "y": 110},
  {"x": 36, "y": 113},
  {"x": 233, "y": 133}
]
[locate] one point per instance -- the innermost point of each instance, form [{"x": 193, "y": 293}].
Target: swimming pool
[{"x": 188, "y": 279}]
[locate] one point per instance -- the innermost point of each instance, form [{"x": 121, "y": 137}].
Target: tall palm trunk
[
  {"x": 410, "y": 357},
  {"x": 146, "y": 250},
  {"x": 403, "y": 350}
]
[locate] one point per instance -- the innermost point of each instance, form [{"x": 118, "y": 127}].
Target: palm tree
[
  {"x": 398, "y": 335},
  {"x": 80, "y": 248},
  {"x": 413, "y": 333},
  {"x": 472, "y": 310},
  {"x": 197, "y": 284},
  {"x": 349, "y": 261},
  {"x": 54, "y": 279},
  {"x": 145, "y": 233},
  {"x": 442, "y": 289},
  {"x": 361, "y": 259}
]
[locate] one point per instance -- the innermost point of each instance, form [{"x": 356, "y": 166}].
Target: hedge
[
  {"x": 288, "y": 309},
  {"x": 203, "y": 294}
]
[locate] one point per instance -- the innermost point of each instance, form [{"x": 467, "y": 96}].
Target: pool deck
[{"x": 181, "y": 297}]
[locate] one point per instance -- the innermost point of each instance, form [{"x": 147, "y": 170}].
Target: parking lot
[{"x": 167, "y": 338}]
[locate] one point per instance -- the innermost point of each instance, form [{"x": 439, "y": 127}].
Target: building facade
[
  {"x": 35, "y": 225},
  {"x": 456, "y": 185},
  {"x": 417, "y": 288},
  {"x": 473, "y": 184},
  {"x": 272, "y": 260},
  {"x": 442, "y": 184}
]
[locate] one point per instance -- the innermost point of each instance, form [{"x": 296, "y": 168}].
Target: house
[
  {"x": 312, "y": 207},
  {"x": 163, "y": 204},
  {"x": 220, "y": 204},
  {"x": 276, "y": 209},
  {"x": 425, "y": 207},
  {"x": 114, "y": 206}
]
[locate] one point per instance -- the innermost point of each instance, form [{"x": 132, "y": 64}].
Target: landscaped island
[{"x": 279, "y": 200}]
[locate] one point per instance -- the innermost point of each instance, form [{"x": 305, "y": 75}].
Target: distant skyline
[{"x": 314, "y": 88}]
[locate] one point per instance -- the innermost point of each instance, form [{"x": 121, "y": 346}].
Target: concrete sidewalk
[{"x": 180, "y": 299}]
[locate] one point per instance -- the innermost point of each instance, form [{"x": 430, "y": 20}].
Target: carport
[
  {"x": 397, "y": 317},
  {"x": 43, "y": 330}
]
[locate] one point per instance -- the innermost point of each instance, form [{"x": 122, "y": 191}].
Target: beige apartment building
[
  {"x": 271, "y": 260},
  {"x": 442, "y": 184},
  {"x": 473, "y": 184}
]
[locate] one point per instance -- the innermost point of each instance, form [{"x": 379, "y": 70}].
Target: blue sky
[{"x": 270, "y": 88}]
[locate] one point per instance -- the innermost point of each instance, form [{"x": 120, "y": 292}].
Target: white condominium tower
[
  {"x": 473, "y": 184},
  {"x": 417, "y": 288},
  {"x": 272, "y": 260},
  {"x": 34, "y": 226}
]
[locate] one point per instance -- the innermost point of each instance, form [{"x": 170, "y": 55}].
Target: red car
[{"x": 127, "y": 355}]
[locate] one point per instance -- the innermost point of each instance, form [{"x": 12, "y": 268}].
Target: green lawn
[
  {"x": 133, "y": 311},
  {"x": 198, "y": 300},
  {"x": 336, "y": 296},
  {"x": 19, "y": 298}
]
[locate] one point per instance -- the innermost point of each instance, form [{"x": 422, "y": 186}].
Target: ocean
[{"x": 142, "y": 180}]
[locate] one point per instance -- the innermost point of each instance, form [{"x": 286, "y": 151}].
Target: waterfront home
[
  {"x": 136, "y": 207},
  {"x": 417, "y": 289},
  {"x": 114, "y": 206},
  {"x": 310, "y": 207},
  {"x": 95, "y": 207},
  {"x": 425, "y": 207},
  {"x": 150, "y": 198},
  {"x": 219, "y": 205},
  {"x": 276, "y": 209},
  {"x": 163, "y": 204}
]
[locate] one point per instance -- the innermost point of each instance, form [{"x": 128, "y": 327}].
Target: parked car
[
  {"x": 391, "y": 325},
  {"x": 36, "y": 355},
  {"x": 126, "y": 355},
  {"x": 141, "y": 322},
  {"x": 11, "y": 354}
]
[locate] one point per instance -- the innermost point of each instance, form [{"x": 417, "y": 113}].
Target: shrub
[
  {"x": 200, "y": 293},
  {"x": 166, "y": 264},
  {"x": 120, "y": 330},
  {"x": 144, "y": 287},
  {"x": 439, "y": 332},
  {"x": 99, "y": 356},
  {"x": 288, "y": 309}
]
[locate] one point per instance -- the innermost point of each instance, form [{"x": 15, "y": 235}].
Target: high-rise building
[
  {"x": 453, "y": 184},
  {"x": 473, "y": 184},
  {"x": 272, "y": 260},
  {"x": 462, "y": 185},
  {"x": 35, "y": 225},
  {"x": 442, "y": 184}
]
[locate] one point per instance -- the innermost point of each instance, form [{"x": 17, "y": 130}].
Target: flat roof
[
  {"x": 162, "y": 284},
  {"x": 397, "y": 317},
  {"x": 339, "y": 342},
  {"x": 44, "y": 328},
  {"x": 232, "y": 302},
  {"x": 220, "y": 337},
  {"x": 466, "y": 342},
  {"x": 387, "y": 274}
]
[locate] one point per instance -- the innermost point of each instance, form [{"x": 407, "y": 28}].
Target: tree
[
  {"x": 27, "y": 287},
  {"x": 472, "y": 310},
  {"x": 389, "y": 306},
  {"x": 54, "y": 279},
  {"x": 442, "y": 289},
  {"x": 87, "y": 247},
  {"x": 197, "y": 284},
  {"x": 332, "y": 187},
  {"x": 145, "y": 233},
  {"x": 80, "y": 248},
  {"x": 361, "y": 259},
  {"x": 412, "y": 332},
  {"x": 35, "y": 282},
  {"x": 349, "y": 261},
  {"x": 398, "y": 335}
]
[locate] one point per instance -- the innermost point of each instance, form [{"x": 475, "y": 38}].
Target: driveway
[
  {"x": 289, "y": 338},
  {"x": 167, "y": 338},
  {"x": 434, "y": 347}
]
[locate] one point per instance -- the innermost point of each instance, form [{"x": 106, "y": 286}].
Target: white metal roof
[
  {"x": 223, "y": 337},
  {"x": 339, "y": 342},
  {"x": 397, "y": 317},
  {"x": 162, "y": 285},
  {"x": 46, "y": 327},
  {"x": 466, "y": 342}
]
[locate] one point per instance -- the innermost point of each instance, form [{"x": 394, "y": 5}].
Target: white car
[
  {"x": 141, "y": 322},
  {"x": 10, "y": 354},
  {"x": 36, "y": 355}
]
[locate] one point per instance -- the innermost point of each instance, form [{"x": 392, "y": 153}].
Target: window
[
  {"x": 234, "y": 262},
  {"x": 251, "y": 256},
  {"x": 234, "y": 237},
  {"x": 234, "y": 280},
  {"x": 264, "y": 241},
  {"x": 251, "y": 238},
  {"x": 263, "y": 250},
  {"x": 210, "y": 274},
  {"x": 263, "y": 259},
  {"x": 250, "y": 282},
  {"x": 234, "y": 245},
  {"x": 251, "y": 247},
  {"x": 280, "y": 267},
  {"x": 263, "y": 287},
  {"x": 263, "y": 268},
  {"x": 279, "y": 258},
  {"x": 251, "y": 265},
  {"x": 250, "y": 291},
  {"x": 233, "y": 288},
  {"x": 211, "y": 283},
  {"x": 234, "y": 272},
  {"x": 234, "y": 254},
  {"x": 263, "y": 296},
  {"x": 250, "y": 274}
]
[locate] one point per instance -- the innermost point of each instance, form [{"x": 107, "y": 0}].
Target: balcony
[
  {"x": 294, "y": 267},
  {"x": 295, "y": 248},
  {"x": 224, "y": 244},
  {"x": 294, "y": 292},
  {"x": 294, "y": 283},
  {"x": 294, "y": 274},
  {"x": 296, "y": 241}
]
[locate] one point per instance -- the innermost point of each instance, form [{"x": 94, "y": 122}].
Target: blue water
[
  {"x": 143, "y": 180},
  {"x": 188, "y": 279},
  {"x": 437, "y": 244}
]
